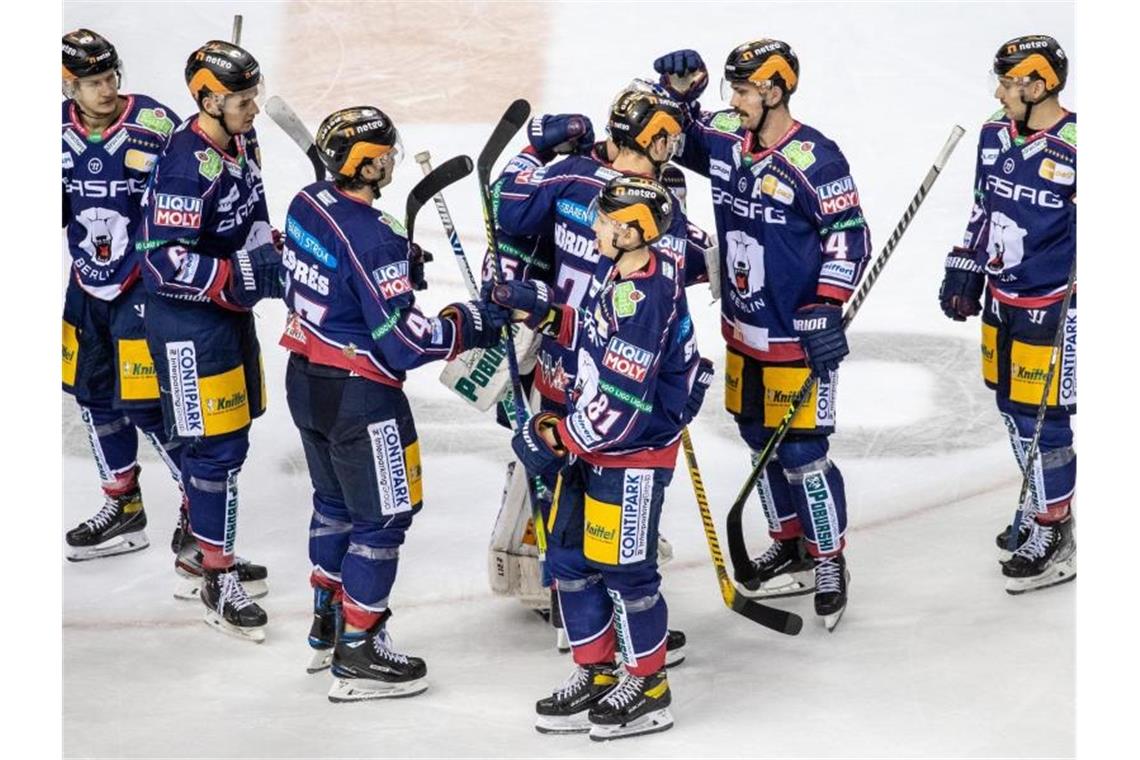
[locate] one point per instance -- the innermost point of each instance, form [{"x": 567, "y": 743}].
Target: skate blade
[
  {"x": 650, "y": 723},
  {"x": 125, "y": 543},
  {"x": 782, "y": 586},
  {"x": 832, "y": 620},
  {"x": 674, "y": 658},
  {"x": 322, "y": 659},
  {"x": 219, "y": 623},
  {"x": 1062, "y": 572},
  {"x": 362, "y": 689},
  {"x": 578, "y": 723},
  {"x": 188, "y": 590}
]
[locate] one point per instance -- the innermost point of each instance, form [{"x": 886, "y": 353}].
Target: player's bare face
[
  {"x": 239, "y": 110},
  {"x": 1014, "y": 93},
  {"x": 98, "y": 96},
  {"x": 748, "y": 102}
]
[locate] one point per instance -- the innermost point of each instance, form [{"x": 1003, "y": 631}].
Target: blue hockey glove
[
  {"x": 560, "y": 134},
  {"x": 256, "y": 274},
  {"x": 683, "y": 74},
  {"x": 820, "y": 329},
  {"x": 697, "y": 394},
  {"x": 961, "y": 293},
  {"x": 532, "y": 297},
  {"x": 417, "y": 257},
  {"x": 477, "y": 324},
  {"x": 532, "y": 449}
]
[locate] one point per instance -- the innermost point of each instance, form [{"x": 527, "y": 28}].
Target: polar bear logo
[
  {"x": 745, "y": 259},
  {"x": 1006, "y": 246},
  {"x": 106, "y": 238}
]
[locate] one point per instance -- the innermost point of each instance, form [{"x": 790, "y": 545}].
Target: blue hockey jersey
[
  {"x": 203, "y": 204},
  {"x": 553, "y": 201},
  {"x": 1023, "y": 228},
  {"x": 104, "y": 179},
  {"x": 790, "y": 227},
  {"x": 636, "y": 359},
  {"x": 349, "y": 295}
]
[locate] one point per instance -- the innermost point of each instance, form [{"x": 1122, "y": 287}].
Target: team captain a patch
[{"x": 392, "y": 478}]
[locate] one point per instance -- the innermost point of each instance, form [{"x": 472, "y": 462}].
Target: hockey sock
[
  {"x": 641, "y": 630},
  {"x": 777, "y": 501},
  {"x": 210, "y": 468},
  {"x": 329, "y": 529},
  {"x": 168, "y": 448},
  {"x": 1054, "y": 473},
  {"x": 587, "y": 616},
  {"x": 369, "y": 568},
  {"x": 822, "y": 505},
  {"x": 114, "y": 442}
]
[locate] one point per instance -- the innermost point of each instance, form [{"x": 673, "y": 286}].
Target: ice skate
[
  {"x": 323, "y": 633},
  {"x": 1002, "y": 539},
  {"x": 674, "y": 648},
  {"x": 831, "y": 578},
  {"x": 1047, "y": 558},
  {"x": 364, "y": 666},
  {"x": 117, "y": 528},
  {"x": 785, "y": 569},
  {"x": 638, "y": 705},
  {"x": 229, "y": 608},
  {"x": 567, "y": 710},
  {"x": 188, "y": 566}
]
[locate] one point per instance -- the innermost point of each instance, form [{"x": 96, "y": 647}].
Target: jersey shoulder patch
[
  {"x": 155, "y": 118},
  {"x": 1068, "y": 133},
  {"x": 725, "y": 121}
]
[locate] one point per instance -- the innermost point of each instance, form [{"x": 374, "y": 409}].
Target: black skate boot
[
  {"x": 1002, "y": 539},
  {"x": 637, "y": 705},
  {"x": 674, "y": 648},
  {"x": 783, "y": 570},
  {"x": 188, "y": 565},
  {"x": 327, "y": 622},
  {"x": 182, "y": 535},
  {"x": 566, "y": 711},
  {"x": 229, "y": 608},
  {"x": 365, "y": 666},
  {"x": 117, "y": 528},
  {"x": 1047, "y": 558},
  {"x": 831, "y": 579}
]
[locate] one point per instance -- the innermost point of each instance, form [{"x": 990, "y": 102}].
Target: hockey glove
[
  {"x": 278, "y": 239},
  {"x": 962, "y": 286},
  {"x": 683, "y": 74},
  {"x": 256, "y": 274},
  {"x": 532, "y": 297},
  {"x": 559, "y": 134},
  {"x": 697, "y": 394},
  {"x": 537, "y": 456},
  {"x": 820, "y": 330},
  {"x": 417, "y": 257},
  {"x": 477, "y": 324}
]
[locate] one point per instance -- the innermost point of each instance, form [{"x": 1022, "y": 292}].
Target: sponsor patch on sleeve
[
  {"x": 626, "y": 359},
  {"x": 392, "y": 279},
  {"x": 720, "y": 169},
  {"x": 140, "y": 161},
  {"x": 843, "y": 271},
  {"x": 181, "y": 211},
  {"x": 989, "y": 156}
]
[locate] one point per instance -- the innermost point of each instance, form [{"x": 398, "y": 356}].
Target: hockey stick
[
  {"x": 424, "y": 160},
  {"x": 1035, "y": 443},
  {"x": 235, "y": 36},
  {"x": 449, "y": 172},
  {"x": 291, "y": 124},
  {"x": 769, "y": 617},
  {"x": 737, "y": 549},
  {"x": 512, "y": 121}
]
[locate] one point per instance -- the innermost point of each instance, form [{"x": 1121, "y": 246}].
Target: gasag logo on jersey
[
  {"x": 392, "y": 279},
  {"x": 989, "y": 156},
  {"x": 746, "y": 209},
  {"x": 182, "y": 368},
  {"x": 627, "y": 359},
  {"x": 308, "y": 243},
  {"x": 1053, "y": 171},
  {"x": 636, "y": 506},
  {"x": 391, "y": 469},
  {"x": 575, "y": 212},
  {"x": 1003, "y": 188},
  {"x": 720, "y": 169},
  {"x": 177, "y": 211}
]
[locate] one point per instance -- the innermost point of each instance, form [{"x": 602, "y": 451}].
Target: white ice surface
[{"x": 932, "y": 657}]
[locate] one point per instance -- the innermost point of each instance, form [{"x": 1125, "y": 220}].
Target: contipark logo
[
  {"x": 391, "y": 470},
  {"x": 182, "y": 367},
  {"x": 1068, "y": 392},
  {"x": 636, "y": 502}
]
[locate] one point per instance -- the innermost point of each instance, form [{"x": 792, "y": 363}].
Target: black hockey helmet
[
  {"x": 1033, "y": 57},
  {"x": 759, "y": 61},
  {"x": 349, "y": 138},
  {"x": 637, "y": 118},
  {"x": 638, "y": 202},
  {"x": 221, "y": 68},
  {"x": 87, "y": 53}
]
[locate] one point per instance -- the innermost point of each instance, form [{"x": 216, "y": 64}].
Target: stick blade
[
  {"x": 781, "y": 621},
  {"x": 514, "y": 118},
  {"x": 449, "y": 172}
]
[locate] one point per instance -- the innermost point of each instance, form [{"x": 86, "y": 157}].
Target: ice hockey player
[
  {"x": 1021, "y": 240},
  {"x": 110, "y": 144},
  {"x": 210, "y": 257},
  {"x": 353, "y": 332},
  {"x": 614, "y": 448},
  {"x": 794, "y": 243},
  {"x": 551, "y": 200}
]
